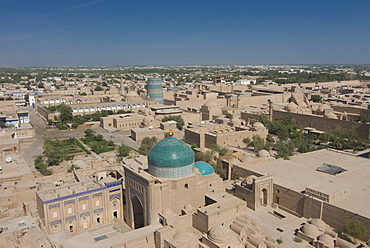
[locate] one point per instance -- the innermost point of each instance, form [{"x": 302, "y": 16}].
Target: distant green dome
[{"x": 171, "y": 158}]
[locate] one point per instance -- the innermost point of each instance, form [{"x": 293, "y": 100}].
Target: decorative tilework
[
  {"x": 114, "y": 196},
  {"x": 55, "y": 222},
  {"x": 73, "y": 195},
  {"x": 171, "y": 172},
  {"x": 69, "y": 201},
  {"x": 170, "y": 153},
  {"x": 114, "y": 190},
  {"x": 71, "y": 218},
  {"x": 87, "y": 213},
  {"x": 83, "y": 198},
  {"x": 98, "y": 210},
  {"x": 112, "y": 184},
  {"x": 97, "y": 194},
  {"x": 54, "y": 205}
]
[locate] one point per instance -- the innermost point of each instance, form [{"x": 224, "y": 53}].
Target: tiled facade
[{"x": 80, "y": 211}]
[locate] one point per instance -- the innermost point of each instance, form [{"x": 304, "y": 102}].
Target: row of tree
[{"x": 290, "y": 139}]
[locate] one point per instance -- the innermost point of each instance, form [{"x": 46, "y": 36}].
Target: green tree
[
  {"x": 259, "y": 143},
  {"x": 41, "y": 166},
  {"x": 146, "y": 144},
  {"x": 208, "y": 156},
  {"x": 123, "y": 150},
  {"x": 73, "y": 167},
  {"x": 54, "y": 157},
  {"x": 65, "y": 112},
  {"x": 316, "y": 98},
  {"x": 221, "y": 150},
  {"x": 247, "y": 141},
  {"x": 99, "y": 137},
  {"x": 229, "y": 115},
  {"x": 355, "y": 228},
  {"x": 89, "y": 133},
  {"x": 40, "y": 85},
  {"x": 284, "y": 149},
  {"x": 26, "y": 98},
  {"x": 363, "y": 118},
  {"x": 98, "y": 88},
  {"x": 219, "y": 169},
  {"x": 180, "y": 121}
]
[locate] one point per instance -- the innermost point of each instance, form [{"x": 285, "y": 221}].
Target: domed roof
[
  {"x": 211, "y": 103},
  {"x": 188, "y": 206},
  {"x": 181, "y": 237},
  {"x": 132, "y": 94},
  {"x": 317, "y": 222},
  {"x": 331, "y": 115},
  {"x": 171, "y": 158},
  {"x": 204, "y": 168},
  {"x": 291, "y": 106},
  {"x": 167, "y": 211},
  {"x": 324, "y": 106},
  {"x": 310, "y": 230},
  {"x": 249, "y": 180},
  {"x": 148, "y": 119},
  {"x": 258, "y": 125},
  {"x": 326, "y": 239},
  {"x": 263, "y": 154},
  {"x": 219, "y": 234}
]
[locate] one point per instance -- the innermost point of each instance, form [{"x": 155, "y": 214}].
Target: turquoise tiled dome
[
  {"x": 204, "y": 168},
  {"x": 171, "y": 158}
]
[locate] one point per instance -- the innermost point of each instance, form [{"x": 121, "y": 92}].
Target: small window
[
  {"x": 55, "y": 226},
  {"x": 69, "y": 210},
  {"x": 97, "y": 203},
  {"x": 55, "y": 215},
  {"x": 83, "y": 206},
  {"x": 186, "y": 186},
  {"x": 115, "y": 204}
]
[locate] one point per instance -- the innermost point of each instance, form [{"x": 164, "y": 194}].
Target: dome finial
[{"x": 170, "y": 133}]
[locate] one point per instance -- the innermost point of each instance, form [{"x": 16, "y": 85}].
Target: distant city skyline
[{"x": 124, "y": 33}]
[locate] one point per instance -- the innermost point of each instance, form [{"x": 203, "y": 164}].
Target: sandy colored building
[
  {"x": 231, "y": 134},
  {"x": 17, "y": 184},
  {"x": 82, "y": 205},
  {"x": 324, "y": 184},
  {"x": 122, "y": 121}
]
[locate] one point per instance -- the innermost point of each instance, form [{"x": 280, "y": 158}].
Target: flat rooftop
[{"x": 300, "y": 172}]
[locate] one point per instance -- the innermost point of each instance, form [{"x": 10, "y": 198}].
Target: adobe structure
[{"x": 173, "y": 201}]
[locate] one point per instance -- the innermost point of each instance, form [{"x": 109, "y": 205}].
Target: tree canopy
[
  {"x": 146, "y": 144},
  {"x": 355, "y": 228},
  {"x": 123, "y": 150},
  {"x": 180, "y": 121}
]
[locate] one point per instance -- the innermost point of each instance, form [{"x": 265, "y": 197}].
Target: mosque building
[
  {"x": 183, "y": 201},
  {"x": 172, "y": 180}
]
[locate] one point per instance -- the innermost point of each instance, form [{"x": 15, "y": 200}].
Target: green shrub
[{"x": 297, "y": 240}]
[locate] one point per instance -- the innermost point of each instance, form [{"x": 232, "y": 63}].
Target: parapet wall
[{"x": 324, "y": 124}]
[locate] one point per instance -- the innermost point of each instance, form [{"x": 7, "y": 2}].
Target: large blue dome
[
  {"x": 204, "y": 168},
  {"x": 171, "y": 158}
]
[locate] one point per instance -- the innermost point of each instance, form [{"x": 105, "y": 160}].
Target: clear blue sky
[{"x": 119, "y": 32}]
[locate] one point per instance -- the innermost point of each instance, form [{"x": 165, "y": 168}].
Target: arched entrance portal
[
  {"x": 137, "y": 209},
  {"x": 264, "y": 197}
]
